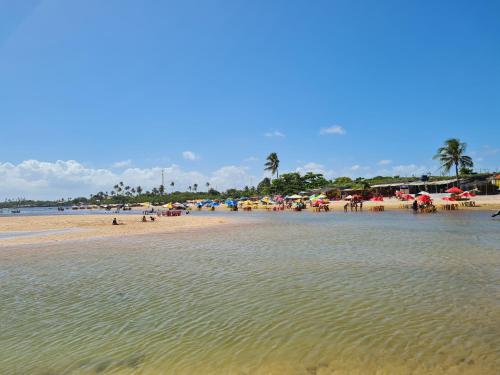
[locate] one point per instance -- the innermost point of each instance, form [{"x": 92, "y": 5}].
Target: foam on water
[{"x": 386, "y": 293}]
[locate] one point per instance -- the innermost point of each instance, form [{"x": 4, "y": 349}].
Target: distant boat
[
  {"x": 60, "y": 208},
  {"x": 17, "y": 211},
  {"x": 74, "y": 207}
]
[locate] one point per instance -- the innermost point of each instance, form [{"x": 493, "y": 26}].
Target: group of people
[
  {"x": 354, "y": 204},
  {"x": 423, "y": 206}
]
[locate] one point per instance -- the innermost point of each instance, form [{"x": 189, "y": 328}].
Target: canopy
[
  {"x": 454, "y": 190},
  {"x": 295, "y": 196},
  {"x": 407, "y": 197},
  {"x": 377, "y": 199},
  {"x": 348, "y": 197},
  {"x": 466, "y": 194}
]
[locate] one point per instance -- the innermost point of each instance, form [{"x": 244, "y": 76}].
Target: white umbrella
[{"x": 424, "y": 193}]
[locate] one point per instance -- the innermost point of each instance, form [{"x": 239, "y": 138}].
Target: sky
[{"x": 95, "y": 92}]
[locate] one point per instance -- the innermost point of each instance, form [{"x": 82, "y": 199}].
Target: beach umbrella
[
  {"x": 407, "y": 197},
  {"x": 295, "y": 196},
  {"x": 424, "y": 198},
  {"x": 449, "y": 199},
  {"x": 349, "y": 197},
  {"x": 454, "y": 190},
  {"x": 322, "y": 196},
  {"x": 466, "y": 194}
]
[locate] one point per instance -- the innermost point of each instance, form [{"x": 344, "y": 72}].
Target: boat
[
  {"x": 60, "y": 208},
  {"x": 74, "y": 207},
  {"x": 16, "y": 211}
]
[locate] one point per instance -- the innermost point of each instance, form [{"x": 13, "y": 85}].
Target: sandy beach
[{"x": 23, "y": 230}]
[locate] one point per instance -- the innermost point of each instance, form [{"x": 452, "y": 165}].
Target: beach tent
[{"x": 454, "y": 190}]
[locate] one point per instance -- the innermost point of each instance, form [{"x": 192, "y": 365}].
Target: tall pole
[{"x": 162, "y": 180}]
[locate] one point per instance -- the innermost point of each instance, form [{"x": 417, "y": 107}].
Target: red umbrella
[
  {"x": 407, "y": 197},
  {"x": 449, "y": 199},
  {"x": 466, "y": 194},
  {"x": 424, "y": 198},
  {"x": 454, "y": 190}
]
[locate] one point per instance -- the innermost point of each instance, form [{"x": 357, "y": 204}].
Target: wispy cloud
[
  {"x": 385, "y": 162},
  {"x": 335, "y": 129},
  {"x": 123, "y": 164},
  {"x": 250, "y": 159},
  {"x": 189, "y": 155},
  {"x": 275, "y": 133}
]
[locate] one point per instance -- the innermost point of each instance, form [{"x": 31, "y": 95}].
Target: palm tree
[
  {"x": 272, "y": 163},
  {"x": 207, "y": 184},
  {"x": 452, "y": 154},
  {"x": 195, "y": 187},
  {"x": 189, "y": 187},
  {"x": 161, "y": 189},
  {"x": 172, "y": 184},
  {"x": 138, "y": 189}
]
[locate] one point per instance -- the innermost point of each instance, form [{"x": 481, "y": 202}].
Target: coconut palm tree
[
  {"x": 452, "y": 154},
  {"x": 207, "y": 185},
  {"x": 172, "y": 184},
  {"x": 272, "y": 164},
  {"x": 195, "y": 187},
  {"x": 189, "y": 187}
]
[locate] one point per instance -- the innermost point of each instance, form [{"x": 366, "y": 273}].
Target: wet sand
[{"x": 23, "y": 230}]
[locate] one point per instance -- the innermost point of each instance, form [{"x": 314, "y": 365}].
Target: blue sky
[{"x": 94, "y": 91}]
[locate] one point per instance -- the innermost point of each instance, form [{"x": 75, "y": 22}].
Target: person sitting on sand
[
  {"x": 144, "y": 219},
  {"x": 152, "y": 218},
  {"x": 115, "y": 222},
  {"x": 497, "y": 214}
]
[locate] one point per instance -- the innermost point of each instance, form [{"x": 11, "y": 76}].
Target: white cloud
[
  {"x": 35, "y": 179},
  {"x": 275, "y": 133},
  {"x": 189, "y": 155},
  {"x": 335, "y": 129},
  {"x": 250, "y": 158},
  {"x": 122, "y": 164},
  {"x": 315, "y": 168},
  {"x": 385, "y": 162},
  {"x": 355, "y": 167},
  {"x": 405, "y": 170}
]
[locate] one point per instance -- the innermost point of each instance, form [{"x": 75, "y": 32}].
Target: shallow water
[{"x": 382, "y": 293}]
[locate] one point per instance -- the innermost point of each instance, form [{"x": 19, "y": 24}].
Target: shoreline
[{"x": 32, "y": 230}]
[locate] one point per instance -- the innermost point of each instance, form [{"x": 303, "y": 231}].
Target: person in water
[
  {"x": 415, "y": 205},
  {"x": 115, "y": 222},
  {"x": 497, "y": 214}
]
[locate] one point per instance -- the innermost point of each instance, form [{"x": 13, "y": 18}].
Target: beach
[
  {"x": 293, "y": 293},
  {"x": 23, "y": 230}
]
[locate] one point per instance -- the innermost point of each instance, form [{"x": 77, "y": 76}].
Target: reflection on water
[{"x": 388, "y": 293}]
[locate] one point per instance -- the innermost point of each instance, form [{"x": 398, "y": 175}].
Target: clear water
[{"x": 381, "y": 293}]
